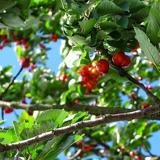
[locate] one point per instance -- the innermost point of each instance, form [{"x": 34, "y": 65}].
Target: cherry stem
[
  {"x": 8, "y": 87},
  {"x": 129, "y": 77}
]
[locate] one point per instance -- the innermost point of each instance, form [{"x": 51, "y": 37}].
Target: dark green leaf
[
  {"x": 108, "y": 7},
  {"x": 6, "y": 4},
  {"x": 150, "y": 51},
  {"x": 87, "y": 25},
  {"x": 154, "y": 23}
]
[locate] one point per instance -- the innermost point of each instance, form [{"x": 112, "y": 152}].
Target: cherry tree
[{"x": 104, "y": 100}]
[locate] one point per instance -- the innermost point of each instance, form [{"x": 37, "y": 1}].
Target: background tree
[{"x": 109, "y": 73}]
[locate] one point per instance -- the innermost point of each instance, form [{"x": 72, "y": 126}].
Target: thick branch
[
  {"x": 80, "y": 125},
  {"x": 97, "y": 110}
]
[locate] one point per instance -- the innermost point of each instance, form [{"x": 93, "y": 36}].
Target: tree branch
[
  {"x": 138, "y": 114},
  {"x": 97, "y": 110}
]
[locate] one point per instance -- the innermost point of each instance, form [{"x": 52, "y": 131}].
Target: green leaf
[
  {"x": 2, "y": 122},
  {"x": 57, "y": 116},
  {"x": 54, "y": 147},
  {"x": 8, "y": 136},
  {"x": 24, "y": 4},
  {"x": 6, "y": 4},
  {"x": 31, "y": 22},
  {"x": 107, "y": 25},
  {"x": 123, "y": 22},
  {"x": 108, "y": 7},
  {"x": 154, "y": 23},
  {"x": 87, "y": 25},
  {"x": 135, "y": 5},
  {"x": 3, "y": 25},
  {"x": 12, "y": 20},
  {"x": 150, "y": 51},
  {"x": 78, "y": 40}
]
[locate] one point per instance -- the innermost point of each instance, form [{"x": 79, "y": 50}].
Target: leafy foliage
[{"x": 91, "y": 31}]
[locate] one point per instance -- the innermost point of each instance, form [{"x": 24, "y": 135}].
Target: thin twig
[
  {"x": 16, "y": 157},
  {"x": 8, "y": 87}
]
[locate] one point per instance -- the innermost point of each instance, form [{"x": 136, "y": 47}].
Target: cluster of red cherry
[
  {"x": 8, "y": 110},
  {"x": 4, "y": 39},
  {"x": 84, "y": 147},
  {"x": 63, "y": 77},
  {"x": 91, "y": 73},
  {"x": 135, "y": 156}
]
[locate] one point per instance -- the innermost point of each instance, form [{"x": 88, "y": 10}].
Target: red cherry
[
  {"x": 42, "y": 46},
  {"x": 120, "y": 59},
  {"x": 18, "y": 42},
  {"x": 25, "y": 43},
  {"x": 8, "y": 110},
  {"x": 139, "y": 158},
  {"x": 33, "y": 66},
  {"x": 145, "y": 105},
  {"x": 54, "y": 37},
  {"x": 25, "y": 62},
  {"x": 87, "y": 148},
  {"x": 76, "y": 101},
  {"x": 135, "y": 49},
  {"x": 102, "y": 66},
  {"x": 132, "y": 95},
  {"x": 30, "y": 113},
  {"x": 63, "y": 77},
  {"x": 79, "y": 143},
  {"x": 132, "y": 154},
  {"x": 90, "y": 75},
  {"x": 85, "y": 70},
  {"x": 23, "y": 101},
  {"x": 14, "y": 36},
  {"x": 149, "y": 87},
  {"x": 89, "y": 82},
  {"x": 80, "y": 154},
  {"x": 1, "y": 46},
  {"x": 5, "y": 41}
]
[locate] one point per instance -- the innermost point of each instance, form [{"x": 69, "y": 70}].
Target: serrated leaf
[
  {"x": 24, "y": 4},
  {"x": 57, "y": 116},
  {"x": 123, "y": 22},
  {"x": 3, "y": 25},
  {"x": 31, "y": 22},
  {"x": 78, "y": 40},
  {"x": 154, "y": 23},
  {"x": 6, "y": 4},
  {"x": 108, "y": 7},
  {"x": 150, "y": 51},
  {"x": 135, "y": 5},
  {"x": 108, "y": 25},
  {"x": 8, "y": 136},
  {"x": 12, "y": 20},
  {"x": 87, "y": 25},
  {"x": 54, "y": 147}
]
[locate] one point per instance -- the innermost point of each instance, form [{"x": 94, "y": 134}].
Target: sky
[{"x": 8, "y": 57}]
